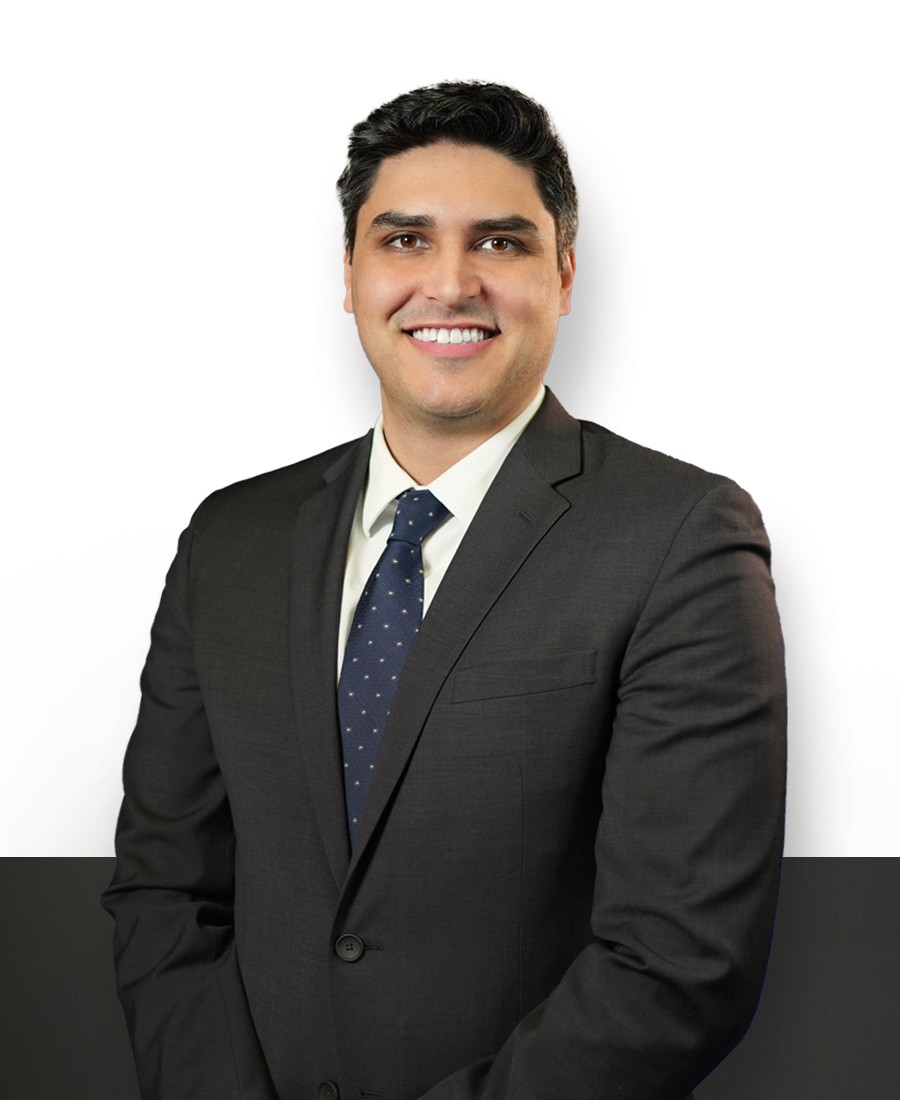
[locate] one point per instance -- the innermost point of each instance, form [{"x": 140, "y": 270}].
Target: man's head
[
  {"x": 465, "y": 113},
  {"x": 460, "y": 214}
]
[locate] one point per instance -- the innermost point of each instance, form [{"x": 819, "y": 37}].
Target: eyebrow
[
  {"x": 396, "y": 219},
  {"x": 513, "y": 224}
]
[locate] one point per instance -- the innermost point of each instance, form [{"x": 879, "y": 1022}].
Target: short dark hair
[{"x": 467, "y": 112}]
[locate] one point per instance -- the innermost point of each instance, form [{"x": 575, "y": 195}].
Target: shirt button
[
  {"x": 328, "y": 1090},
  {"x": 349, "y": 948}
]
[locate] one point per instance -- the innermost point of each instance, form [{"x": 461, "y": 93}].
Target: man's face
[{"x": 456, "y": 287}]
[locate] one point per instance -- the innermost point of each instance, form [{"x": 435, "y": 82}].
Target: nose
[{"x": 450, "y": 277}]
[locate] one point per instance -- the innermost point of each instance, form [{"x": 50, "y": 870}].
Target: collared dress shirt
[{"x": 461, "y": 489}]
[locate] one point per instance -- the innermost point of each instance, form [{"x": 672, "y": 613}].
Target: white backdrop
[{"x": 170, "y": 321}]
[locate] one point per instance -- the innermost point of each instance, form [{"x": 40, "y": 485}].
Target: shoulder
[
  {"x": 277, "y": 493},
  {"x": 654, "y": 503},
  {"x": 594, "y": 467},
  {"x": 626, "y": 465},
  {"x": 636, "y": 478}
]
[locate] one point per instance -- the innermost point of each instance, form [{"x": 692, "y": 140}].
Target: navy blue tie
[{"x": 384, "y": 626}]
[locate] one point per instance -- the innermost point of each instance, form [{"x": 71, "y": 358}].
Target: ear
[
  {"x": 566, "y": 278},
  {"x": 348, "y": 293}
]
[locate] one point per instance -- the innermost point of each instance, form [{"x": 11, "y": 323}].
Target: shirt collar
[{"x": 460, "y": 489}]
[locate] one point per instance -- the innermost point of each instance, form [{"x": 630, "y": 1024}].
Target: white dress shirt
[{"x": 460, "y": 489}]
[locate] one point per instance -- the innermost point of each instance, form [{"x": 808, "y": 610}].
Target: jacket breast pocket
[{"x": 528, "y": 673}]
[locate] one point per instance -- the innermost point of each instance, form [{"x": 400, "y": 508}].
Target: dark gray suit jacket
[{"x": 565, "y": 879}]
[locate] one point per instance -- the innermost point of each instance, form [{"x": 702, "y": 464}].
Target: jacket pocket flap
[{"x": 525, "y": 674}]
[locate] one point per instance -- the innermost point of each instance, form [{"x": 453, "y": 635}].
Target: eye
[
  {"x": 405, "y": 242},
  {"x": 499, "y": 246}
]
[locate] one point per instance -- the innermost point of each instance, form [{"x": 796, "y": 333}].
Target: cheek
[
  {"x": 531, "y": 301},
  {"x": 538, "y": 312},
  {"x": 379, "y": 300}
]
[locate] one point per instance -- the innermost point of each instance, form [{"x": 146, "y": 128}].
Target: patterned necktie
[{"x": 384, "y": 626}]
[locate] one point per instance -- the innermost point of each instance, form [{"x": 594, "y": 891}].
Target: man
[{"x": 524, "y": 845}]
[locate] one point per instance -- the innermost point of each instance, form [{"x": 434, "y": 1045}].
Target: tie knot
[{"x": 418, "y": 513}]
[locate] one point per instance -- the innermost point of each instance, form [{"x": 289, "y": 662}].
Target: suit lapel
[
  {"x": 519, "y": 509},
  {"x": 321, "y": 531}
]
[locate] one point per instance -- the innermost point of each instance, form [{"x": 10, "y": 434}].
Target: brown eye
[
  {"x": 498, "y": 245},
  {"x": 406, "y": 242}
]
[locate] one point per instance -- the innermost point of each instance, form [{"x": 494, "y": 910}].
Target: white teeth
[{"x": 450, "y": 335}]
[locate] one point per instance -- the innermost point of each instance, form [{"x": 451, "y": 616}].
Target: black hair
[{"x": 466, "y": 112}]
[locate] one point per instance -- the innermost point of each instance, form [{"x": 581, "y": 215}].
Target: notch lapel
[{"x": 519, "y": 509}]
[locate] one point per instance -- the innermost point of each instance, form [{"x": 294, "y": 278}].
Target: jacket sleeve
[
  {"x": 172, "y": 892},
  {"x": 688, "y": 849}
]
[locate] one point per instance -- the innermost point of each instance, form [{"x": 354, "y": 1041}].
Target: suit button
[
  {"x": 350, "y": 948},
  {"x": 328, "y": 1090}
]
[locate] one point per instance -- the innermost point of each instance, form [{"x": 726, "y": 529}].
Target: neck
[
  {"x": 424, "y": 454},
  {"x": 427, "y": 446}
]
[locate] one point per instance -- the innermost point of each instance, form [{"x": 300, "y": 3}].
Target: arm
[
  {"x": 689, "y": 844},
  {"x": 172, "y": 892}
]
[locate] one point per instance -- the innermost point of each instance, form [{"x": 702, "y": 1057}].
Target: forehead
[{"x": 456, "y": 181}]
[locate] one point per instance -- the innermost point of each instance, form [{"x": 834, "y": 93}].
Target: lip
[{"x": 450, "y": 351}]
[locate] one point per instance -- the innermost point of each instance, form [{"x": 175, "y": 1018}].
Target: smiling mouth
[{"x": 451, "y": 335}]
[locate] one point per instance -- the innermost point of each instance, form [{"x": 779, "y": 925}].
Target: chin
[{"x": 466, "y": 406}]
